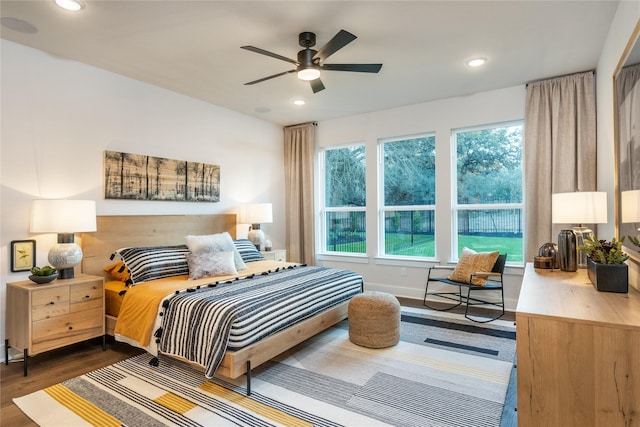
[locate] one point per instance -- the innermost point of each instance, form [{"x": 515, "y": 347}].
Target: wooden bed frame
[{"x": 115, "y": 232}]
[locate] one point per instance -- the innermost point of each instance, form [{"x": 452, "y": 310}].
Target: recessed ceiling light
[
  {"x": 299, "y": 101},
  {"x": 71, "y": 5},
  {"x": 476, "y": 62}
]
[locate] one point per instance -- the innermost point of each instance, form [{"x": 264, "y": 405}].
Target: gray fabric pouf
[{"x": 374, "y": 320}]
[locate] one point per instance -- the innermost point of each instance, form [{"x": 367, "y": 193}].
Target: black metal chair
[{"x": 494, "y": 283}]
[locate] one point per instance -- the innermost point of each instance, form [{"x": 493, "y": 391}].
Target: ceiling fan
[{"x": 310, "y": 61}]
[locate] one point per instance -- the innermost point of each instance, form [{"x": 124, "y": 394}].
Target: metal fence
[{"x": 345, "y": 228}]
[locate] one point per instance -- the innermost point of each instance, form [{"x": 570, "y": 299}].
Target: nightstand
[
  {"x": 276, "y": 255},
  {"x": 45, "y": 317}
]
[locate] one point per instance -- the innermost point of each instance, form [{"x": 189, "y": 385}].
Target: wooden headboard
[{"x": 114, "y": 232}]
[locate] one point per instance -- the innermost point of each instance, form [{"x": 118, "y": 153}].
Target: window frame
[
  {"x": 458, "y": 207},
  {"x": 383, "y": 208},
  {"x": 323, "y": 229}
]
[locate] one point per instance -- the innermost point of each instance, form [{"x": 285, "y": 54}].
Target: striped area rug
[{"x": 446, "y": 371}]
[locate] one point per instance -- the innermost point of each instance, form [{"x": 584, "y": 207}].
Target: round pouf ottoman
[{"x": 374, "y": 320}]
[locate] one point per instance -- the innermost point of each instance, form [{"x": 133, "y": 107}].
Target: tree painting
[{"x": 139, "y": 177}]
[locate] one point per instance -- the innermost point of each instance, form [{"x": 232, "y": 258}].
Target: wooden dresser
[
  {"x": 578, "y": 352},
  {"x": 49, "y": 316}
]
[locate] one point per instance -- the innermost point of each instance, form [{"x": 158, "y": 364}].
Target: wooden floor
[
  {"x": 51, "y": 368},
  {"x": 55, "y": 366}
]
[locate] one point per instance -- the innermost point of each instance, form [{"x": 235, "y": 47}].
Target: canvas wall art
[{"x": 139, "y": 177}]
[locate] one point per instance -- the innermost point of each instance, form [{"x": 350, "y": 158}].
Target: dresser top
[{"x": 570, "y": 295}]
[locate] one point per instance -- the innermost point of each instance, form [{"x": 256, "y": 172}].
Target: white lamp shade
[
  {"x": 63, "y": 216},
  {"x": 631, "y": 206},
  {"x": 256, "y": 213},
  {"x": 582, "y": 207}
]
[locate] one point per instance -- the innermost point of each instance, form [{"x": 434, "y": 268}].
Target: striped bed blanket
[{"x": 201, "y": 324}]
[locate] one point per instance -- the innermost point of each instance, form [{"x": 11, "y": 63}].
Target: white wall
[
  {"x": 623, "y": 24},
  {"x": 440, "y": 117},
  {"x": 58, "y": 116}
]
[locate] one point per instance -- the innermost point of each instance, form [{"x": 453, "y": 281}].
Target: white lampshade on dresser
[{"x": 64, "y": 217}]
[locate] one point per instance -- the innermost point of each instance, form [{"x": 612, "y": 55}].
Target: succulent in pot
[
  {"x": 603, "y": 251},
  {"x": 44, "y": 274},
  {"x": 606, "y": 264}
]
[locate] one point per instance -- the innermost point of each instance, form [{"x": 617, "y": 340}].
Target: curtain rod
[
  {"x": 301, "y": 124},
  {"x": 564, "y": 75}
]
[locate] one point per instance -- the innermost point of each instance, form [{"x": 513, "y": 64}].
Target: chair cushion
[{"x": 471, "y": 262}]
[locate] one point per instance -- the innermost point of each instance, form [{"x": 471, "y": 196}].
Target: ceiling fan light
[{"x": 308, "y": 74}]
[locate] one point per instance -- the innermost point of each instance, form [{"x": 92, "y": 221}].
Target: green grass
[{"x": 424, "y": 245}]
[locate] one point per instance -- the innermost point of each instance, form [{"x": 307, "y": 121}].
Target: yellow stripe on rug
[
  {"x": 257, "y": 407},
  {"x": 175, "y": 403},
  {"x": 83, "y": 408}
]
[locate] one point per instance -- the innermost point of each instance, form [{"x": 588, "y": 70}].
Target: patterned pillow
[
  {"x": 247, "y": 250},
  {"x": 211, "y": 264},
  {"x": 215, "y": 243},
  {"x": 118, "y": 272},
  {"x": 156, "y": 262},
  {"x": 471, "y": 262}
]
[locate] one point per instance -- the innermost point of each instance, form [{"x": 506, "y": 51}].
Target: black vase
[
  {"x": 567, "y": 250},
  {"x": 608, "y": 277}
]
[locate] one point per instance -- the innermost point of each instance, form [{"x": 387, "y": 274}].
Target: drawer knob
[
  {"x": 70, "y": 327},
  {"x": 51, "y": 303},
  {"x": 87, "y": 296}
]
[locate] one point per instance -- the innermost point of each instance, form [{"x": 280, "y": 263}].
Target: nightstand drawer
[
  {"x": 67, "y": 329},
  {"x": 50, "y": 302},
  {"x": 86, "y": 296},
  {"x": 276, "y": 255}
]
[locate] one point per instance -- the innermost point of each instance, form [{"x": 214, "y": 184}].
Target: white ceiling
[{"x": 193, "y": 47}]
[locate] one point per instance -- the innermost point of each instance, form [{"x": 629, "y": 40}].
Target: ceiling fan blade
[
  {"x": 358, "y": 68},
  {"x": 338, "y": 41},
  {"x": 316, "y": 85},
  {"x": 271, "y": 54},
  {"x": 270, "y": 77}
]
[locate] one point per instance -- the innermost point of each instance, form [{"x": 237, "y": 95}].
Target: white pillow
[
  {"x": 215, "y": 243},
  {"x": 211, "y": 264}
]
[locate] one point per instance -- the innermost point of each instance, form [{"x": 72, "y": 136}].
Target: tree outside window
[
  {"x": 344, "y": 216},
  {"x": 408, "y": 183},
  {"x": 488, "y": 208}
]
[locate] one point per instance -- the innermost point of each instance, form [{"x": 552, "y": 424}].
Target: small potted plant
[
  {"x": 44, "y": 274},
  {"x": 606, "y": 264}
]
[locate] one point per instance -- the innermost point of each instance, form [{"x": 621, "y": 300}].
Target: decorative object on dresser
[
  {"x": 577, "y": 352},
  {"x": 606, "y": 264},
  {"x": 44, "y": 274},
  {"x": 582, "y": 208},
  {"x": 547, "y": 257},
  {"x": 64, "y": 217},
  {"x": 23, "y": 255},
  {"x": 45, "y": 317},
  {"x": 256, "y": 214}
]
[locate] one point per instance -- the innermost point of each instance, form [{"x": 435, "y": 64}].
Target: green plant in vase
[
  {"x": 635, "y": 241},
  {"x": 603, "y": 251},
  {"x": 606, "y": 264}
]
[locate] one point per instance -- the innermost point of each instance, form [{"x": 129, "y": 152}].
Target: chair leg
[
  {"x": 426, "y": 292},
  {"x": 466, "y": 311}
]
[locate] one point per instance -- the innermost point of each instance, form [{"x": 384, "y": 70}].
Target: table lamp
[
  {"x": 256, "y": 214},
  {"x": 582, "y": 207},
  {"x": 64, "y": 217}
]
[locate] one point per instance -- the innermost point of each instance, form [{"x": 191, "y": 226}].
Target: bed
[{"x": 114, "y": 232}]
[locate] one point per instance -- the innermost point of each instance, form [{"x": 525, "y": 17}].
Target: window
[
  {"x": 407, "y": 217},
  {"x": 487, "y": 211},
  {"x": 343, "y": 222}
]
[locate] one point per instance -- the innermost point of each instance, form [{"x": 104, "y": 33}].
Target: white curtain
[
  {"x": 299, "y": 149},
  {"x": 560, "y": 149}
]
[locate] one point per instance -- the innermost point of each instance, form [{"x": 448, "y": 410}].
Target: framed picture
[{"x": 23, "y": 255}]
